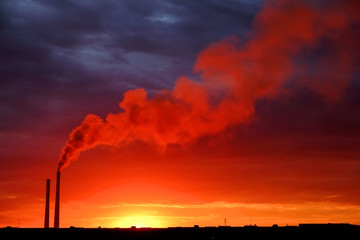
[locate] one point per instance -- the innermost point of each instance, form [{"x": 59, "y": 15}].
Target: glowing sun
[{"x": 139, "y": 221}]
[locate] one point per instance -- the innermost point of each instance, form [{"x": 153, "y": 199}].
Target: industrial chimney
[
  {"x": 57, "y": 200},
  {"x": 47, "y": 204}
]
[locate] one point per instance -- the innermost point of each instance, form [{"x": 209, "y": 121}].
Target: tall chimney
[
  {"x": 57, "y": 200},
  {"x": 47, "y": 204}
]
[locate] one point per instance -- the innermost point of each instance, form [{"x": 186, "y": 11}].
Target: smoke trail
[{"x": 293, "y": 43}]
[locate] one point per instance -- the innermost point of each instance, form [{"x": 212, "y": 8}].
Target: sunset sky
[{"x": 179, "y": 112}]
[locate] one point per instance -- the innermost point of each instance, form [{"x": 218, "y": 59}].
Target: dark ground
[{"x": 303, "y": 231}]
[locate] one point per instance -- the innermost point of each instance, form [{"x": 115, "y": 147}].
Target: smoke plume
[{"x": 292, "y": 43}]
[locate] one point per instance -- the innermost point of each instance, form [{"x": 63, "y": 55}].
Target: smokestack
[
  {"x": 47, "y": 204},
  {"x": 57, "y": 200}
]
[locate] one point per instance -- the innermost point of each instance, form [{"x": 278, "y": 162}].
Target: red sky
[{"x": 263, "y": 130}]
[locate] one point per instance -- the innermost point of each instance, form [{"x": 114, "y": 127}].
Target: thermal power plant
[
  {"x": 57, "y": 201},
  {"x": 47, "y": 204}
]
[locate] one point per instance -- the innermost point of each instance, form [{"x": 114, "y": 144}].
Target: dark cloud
[{"x": 81, "y": 56}]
